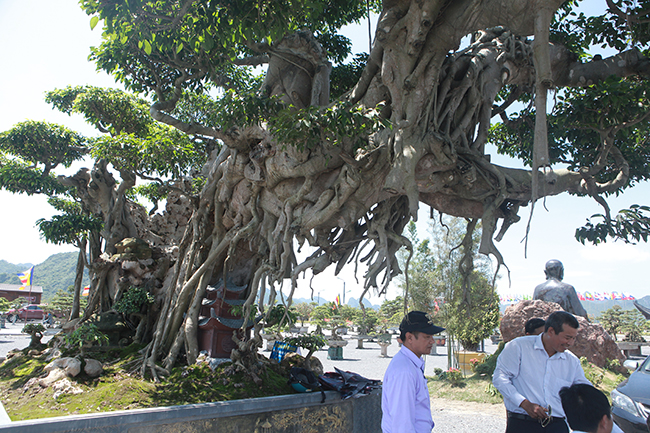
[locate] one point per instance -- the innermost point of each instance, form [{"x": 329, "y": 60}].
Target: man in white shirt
[
  {"x": 587, "y": 409},
  {"x": 530, "y": 372},
  {"x": 405, "y": 402}
]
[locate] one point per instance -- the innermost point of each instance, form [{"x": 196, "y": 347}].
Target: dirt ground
[{"x": 456, "y": 406}]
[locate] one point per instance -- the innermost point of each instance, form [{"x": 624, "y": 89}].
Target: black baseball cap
[{"x": 418, "y": 321}]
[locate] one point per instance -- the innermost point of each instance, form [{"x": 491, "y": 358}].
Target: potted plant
[
  {"x": 277, "y": 319},
  {"x": 311, "y": 342}
]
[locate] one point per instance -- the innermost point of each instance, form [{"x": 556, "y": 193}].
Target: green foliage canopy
[{"x": 200, "y": 43}]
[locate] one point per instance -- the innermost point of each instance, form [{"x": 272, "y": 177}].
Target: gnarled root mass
[{"x": 263, "y": 198}]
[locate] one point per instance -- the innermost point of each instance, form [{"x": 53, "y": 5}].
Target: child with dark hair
[
  {"x": 534, "y": 326},
  {"x": 586, "y": 408}
]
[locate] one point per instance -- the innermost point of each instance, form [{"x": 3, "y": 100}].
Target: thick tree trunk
[
  {"x": 81, "y": 266},
  {"x": 352, "y": 204}
]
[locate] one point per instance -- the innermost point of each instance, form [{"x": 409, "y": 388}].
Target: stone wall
[{"x": 295, "y": 413}]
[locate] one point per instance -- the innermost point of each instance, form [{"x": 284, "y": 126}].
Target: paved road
[
  {"x": 11, "y": 337},
  {"x": 450, "y": 416},
  {"x": 369, "y": 363}
]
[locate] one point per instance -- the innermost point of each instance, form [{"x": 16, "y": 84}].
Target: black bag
[
  {"x": 303, "y": 380},
  {"x": 348, "y": 383}
]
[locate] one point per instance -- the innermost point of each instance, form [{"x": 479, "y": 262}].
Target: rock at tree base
[
  {"x": 593, "y": 341},
  {"x": 54, "y": 376},
  {"x": 93, "y": 368},
  {"x": 294, "y": 360},
  {"x": 71, "y": 366}
]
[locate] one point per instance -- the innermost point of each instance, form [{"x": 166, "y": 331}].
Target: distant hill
[
  {"x": 352, "y": 302},
  {"x": 595, "y": 308},
  {"x": 8, "y": 271},
  {"x": 57, "y": 272}
]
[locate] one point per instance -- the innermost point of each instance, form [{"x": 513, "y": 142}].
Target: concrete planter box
[
  {"x": 281, "y": 414},
  {"x": 465, "y": 357}
]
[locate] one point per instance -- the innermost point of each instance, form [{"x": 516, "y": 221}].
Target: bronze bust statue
[{"x": 554, "y": 290}]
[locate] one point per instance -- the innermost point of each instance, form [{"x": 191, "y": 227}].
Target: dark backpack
[{"x": 303, "y": 380}]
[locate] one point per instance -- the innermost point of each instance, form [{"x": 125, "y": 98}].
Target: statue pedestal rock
[{"x": 593, "y": 342}]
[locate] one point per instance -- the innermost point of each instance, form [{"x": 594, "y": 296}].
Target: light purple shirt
[
  {"x": 405, "y": 396},
  {"x": 525, "y": 371}
]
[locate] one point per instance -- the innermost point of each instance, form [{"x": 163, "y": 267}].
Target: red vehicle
[{"x": 29, "y": 312}]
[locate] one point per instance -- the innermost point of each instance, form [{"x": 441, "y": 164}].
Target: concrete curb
[{"x": 361, "y": 415}]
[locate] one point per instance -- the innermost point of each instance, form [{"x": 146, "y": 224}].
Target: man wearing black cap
[{"x": 405, "y": 397}]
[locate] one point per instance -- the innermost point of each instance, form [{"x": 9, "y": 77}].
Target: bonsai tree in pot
[
  {"x": 311, "y": 342},
  {"x": 35, "y": 330}
]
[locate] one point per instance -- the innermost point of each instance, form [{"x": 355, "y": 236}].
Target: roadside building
[{"x": 14, "y": 291}]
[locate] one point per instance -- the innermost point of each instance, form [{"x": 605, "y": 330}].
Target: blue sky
[{"x": 45, "y": 46}]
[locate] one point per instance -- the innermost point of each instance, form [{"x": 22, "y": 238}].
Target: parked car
[
  {"x": 631, "y": 398},
  {"x": 29, "y": 312}
]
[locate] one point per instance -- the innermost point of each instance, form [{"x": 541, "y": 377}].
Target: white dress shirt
[
  {"x": 525, "y": 371},
  {"x": 405, "y": 396}
]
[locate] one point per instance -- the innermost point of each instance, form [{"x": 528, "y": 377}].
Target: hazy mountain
[
  {"x": 57, "y": 272},
  {"x": 595, "y": 308},
  {"x": 353, "y": 302},
  {"x": 9, "y": 271}
]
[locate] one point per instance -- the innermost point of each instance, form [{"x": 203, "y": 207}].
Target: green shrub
[
  {"x": 455, "y": 377},
  {"x": 592, "y": 374},
  {"x": 311, "y": 342},
  {"x": 86, "y": 333},
  {"x": 489, "y": 363},
  {"x": 133, "y": 300}
]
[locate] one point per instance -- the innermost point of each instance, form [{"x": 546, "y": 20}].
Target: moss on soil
[{"x": 118, "y": 389}]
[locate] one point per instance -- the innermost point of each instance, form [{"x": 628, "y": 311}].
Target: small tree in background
[
  {"x": 475, "y": 320},
  {"x": 321, "y": 314},
  {"x": 304, "y": 311},
  {"x": 5, "y": 304},
  {"x": 448, "y": 281},
  {"x": 35, "y": 330},
  {"x": 19, "y": 302},
  {"x": 392, "y": 311},
  {"x": 632, "y": 325},
  {"x": 62, "y": 303},
  {"x": 368, "y": 322},
  {"x": 310, "y": 342},
  {"x": 612, "y": 320}
]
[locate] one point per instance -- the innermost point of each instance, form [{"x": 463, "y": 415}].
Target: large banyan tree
[{"x": 339, "y": 156}]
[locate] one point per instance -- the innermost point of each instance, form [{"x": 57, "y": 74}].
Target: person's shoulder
[
  {"x": 400, "y": 366},
  {"x": 572, "y": 356},
  {"x": 399, "y": 359},
  {"x": 522, "y": 341}
]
